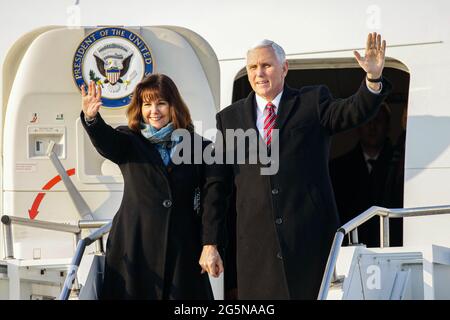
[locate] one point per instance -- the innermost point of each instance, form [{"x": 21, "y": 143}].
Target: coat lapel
[
  {"x": 153, "y": 154},
  {"x": 287, "y": 103},
  {"x": 249, "y": 114}
]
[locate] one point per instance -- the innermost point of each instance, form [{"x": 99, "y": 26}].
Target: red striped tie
[{"x": 269, "y": 122}]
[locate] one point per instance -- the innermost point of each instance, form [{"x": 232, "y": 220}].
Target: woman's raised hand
[{"x": 91, "y": 101}]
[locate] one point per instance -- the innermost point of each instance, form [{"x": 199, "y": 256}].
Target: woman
[{"x": 155, "y": 240}]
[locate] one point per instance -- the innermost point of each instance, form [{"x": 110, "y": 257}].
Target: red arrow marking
[
  {"x": 57, "y": 179},
  {"x": 37, "y": 201},
  {"x": 34, "y": 208}
]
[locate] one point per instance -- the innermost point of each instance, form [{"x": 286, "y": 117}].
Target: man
[
  {"x": 285, "y": 221},
  {"x": 361, "y": 178}
]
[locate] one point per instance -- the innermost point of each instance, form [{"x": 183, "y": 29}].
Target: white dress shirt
[
  {"x": 367, "y": 158},
  {"x": 260, "y": 106}
]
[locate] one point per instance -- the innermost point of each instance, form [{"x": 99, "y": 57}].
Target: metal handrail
[
  {"x": 76, "y": 260},
  {"x": 103, "y": 227},
  {"x": 8, "y": 220},
  {"x": 56, "y": 226},
  {"x": 350, "y": 226}
]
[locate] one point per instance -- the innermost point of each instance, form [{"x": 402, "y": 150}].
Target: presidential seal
[{"x": 115, "y": 58}]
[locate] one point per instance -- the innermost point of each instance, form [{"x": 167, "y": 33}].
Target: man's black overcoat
[{"x": 286, "y": 221}]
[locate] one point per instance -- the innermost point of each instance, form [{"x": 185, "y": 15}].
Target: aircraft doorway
[{"x": 343, "y": 77}]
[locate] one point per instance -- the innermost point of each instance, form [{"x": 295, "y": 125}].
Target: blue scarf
[{"x": 163, "y": 139}]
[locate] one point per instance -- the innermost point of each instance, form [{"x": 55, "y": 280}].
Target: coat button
[
  {"x": 167, "y": 203},
  {"x": 279, "y": 256},
  {"x": 279, "y": 221},
  {"x": 275, "y": 191}
]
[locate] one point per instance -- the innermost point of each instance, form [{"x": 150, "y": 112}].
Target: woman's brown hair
[{"x": 158, "y": 87}]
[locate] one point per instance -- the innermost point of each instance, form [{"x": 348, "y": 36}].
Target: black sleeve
[
  {"x": 216, "y": 195},
  {"x": 342, "y": 114},
  {"x": 109, "y": 142}
]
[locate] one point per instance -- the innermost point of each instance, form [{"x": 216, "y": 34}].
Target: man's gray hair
[{"x": 279, "y": 52}]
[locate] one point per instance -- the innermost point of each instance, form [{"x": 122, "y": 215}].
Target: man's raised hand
[{"x": 373, "y": 60}]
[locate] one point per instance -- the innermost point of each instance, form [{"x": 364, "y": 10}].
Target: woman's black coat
[{"x": 154, "y": 244}]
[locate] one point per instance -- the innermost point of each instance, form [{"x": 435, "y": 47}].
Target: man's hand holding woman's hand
[{"x": 210, "y": 261}]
